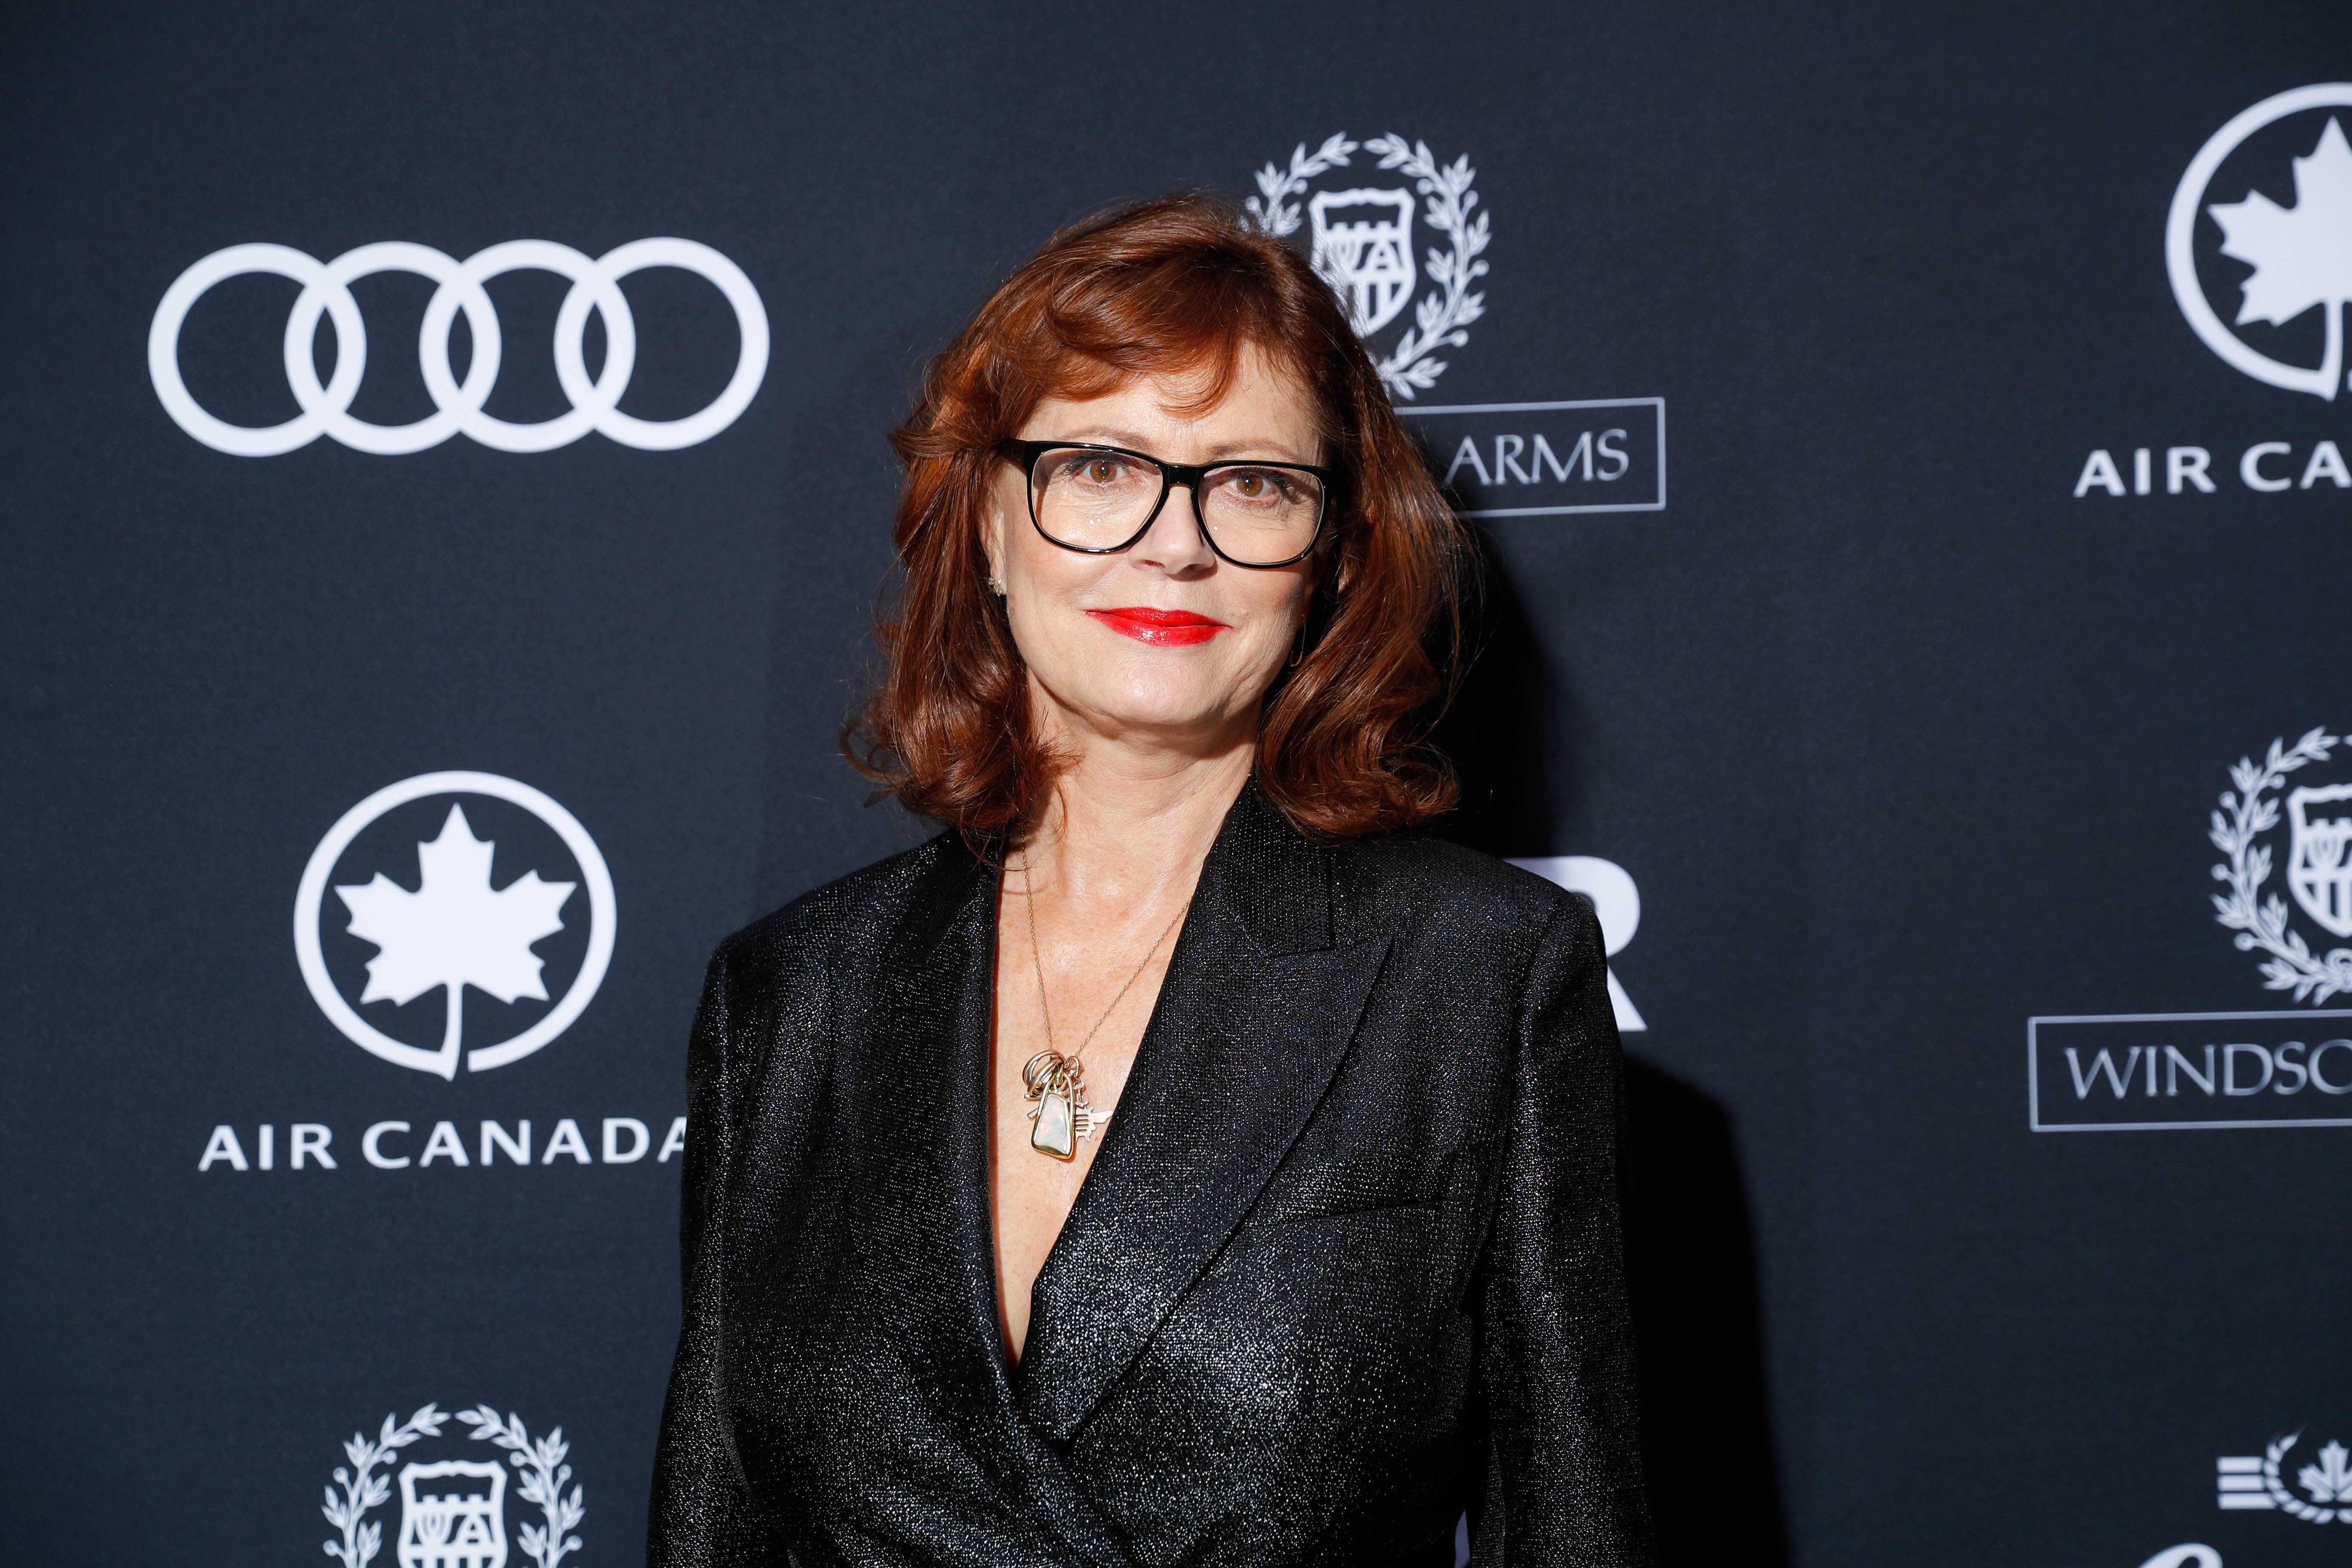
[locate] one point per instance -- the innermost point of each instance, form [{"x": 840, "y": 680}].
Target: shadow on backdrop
[
  {"x": 1504, "y": 730},
  {"x": 1706, "y": 1429}
]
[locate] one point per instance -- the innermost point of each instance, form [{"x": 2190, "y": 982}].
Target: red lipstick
[{"x": 1160, "y": 628}]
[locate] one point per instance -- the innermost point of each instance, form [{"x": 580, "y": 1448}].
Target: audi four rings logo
[{"x": 326, "y": 288}]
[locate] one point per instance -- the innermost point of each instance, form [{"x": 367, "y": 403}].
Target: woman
[{"x": 1172, "y": 1161}]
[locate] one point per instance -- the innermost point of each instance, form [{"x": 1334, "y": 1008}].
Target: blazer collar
[
  {"x": 1257, "y": 1009},
  {"x": 1256, "y": 1013},
  {"x": 922, "y": 1039},
  {"x": 1270, "y": 878}
]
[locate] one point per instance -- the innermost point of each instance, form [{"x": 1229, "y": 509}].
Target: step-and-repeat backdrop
[{"x": 444, "y": 483}]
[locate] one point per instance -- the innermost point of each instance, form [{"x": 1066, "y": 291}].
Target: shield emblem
[
  {"x": 1363, "y": 248},
  {"x": 460, "y": 1525},
  {"x": 2315, "y": 868}
]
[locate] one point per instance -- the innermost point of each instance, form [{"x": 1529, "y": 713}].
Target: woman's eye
[
  {"x": 1258, "y": 485},
  {"x": 1095, "y": 471}
]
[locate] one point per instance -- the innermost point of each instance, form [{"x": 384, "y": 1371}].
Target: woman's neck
[{"x": 1125, "y": 828}]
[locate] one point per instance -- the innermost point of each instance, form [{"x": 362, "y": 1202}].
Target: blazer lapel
[
  {"x": 1256, "y": 1013},
  {"x": 929, "y": 1257},
  {"x": 918, "y": 1061}
]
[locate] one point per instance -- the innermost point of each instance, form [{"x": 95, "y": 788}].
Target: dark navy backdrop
[{"x": 1904, "y": 721}]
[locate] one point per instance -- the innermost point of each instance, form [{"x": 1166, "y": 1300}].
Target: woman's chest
[
  {"x": 1305, "y": 1331},
  {"x": 1300, "y": 1165},
  {"x": 1244, "y": 1186}
]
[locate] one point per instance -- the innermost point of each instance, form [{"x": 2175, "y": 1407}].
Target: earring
[
  {"x": 995, "y": 586},
  {"x": 1298, "y": 648}
]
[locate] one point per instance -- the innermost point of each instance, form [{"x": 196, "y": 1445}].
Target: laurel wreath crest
[
  {"x": 1441, "y": 315},
  {"x": 2262, "y": 923},
  {"x": 363, "y": 1490},
  {"x": 540, "y": 1480}
]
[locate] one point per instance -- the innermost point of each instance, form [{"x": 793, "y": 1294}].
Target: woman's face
[{"x": 1133, "y": 677}]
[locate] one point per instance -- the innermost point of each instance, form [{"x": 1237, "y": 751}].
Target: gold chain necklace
[{"x": 1053, "y": 1080}]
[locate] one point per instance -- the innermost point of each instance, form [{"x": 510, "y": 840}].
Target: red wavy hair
[{"x": 1177, "y": 285}]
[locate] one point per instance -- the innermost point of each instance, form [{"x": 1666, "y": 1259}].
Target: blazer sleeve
[
  {"x": 1564, "y": 1484},
  {"x": 701, "y": 1515}
]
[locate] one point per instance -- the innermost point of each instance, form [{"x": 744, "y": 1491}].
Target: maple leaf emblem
[
  {"x": 2331, "y": 1483},
  {"x": 2301, "y": 255},
  {"x": 455, "y": 930}
]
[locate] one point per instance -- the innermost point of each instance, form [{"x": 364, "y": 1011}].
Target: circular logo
[
  {"x": 457, "y": 928},
  {"x": 1360, "y": 235},
  {"x": 2301, "y": 254},
  {"x": 326, "y": 289}
]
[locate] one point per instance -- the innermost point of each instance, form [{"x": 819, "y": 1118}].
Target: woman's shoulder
[
  {"x": 1419, "y": 882},
  {"x": 852, "y": 917}
]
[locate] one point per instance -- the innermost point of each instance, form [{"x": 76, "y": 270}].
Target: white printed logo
[
  {"x": 1616, "y": 900},
  {"x": 326, "y": 289},
  {"x": 453, "y": 1512},
  {"x": 2319, "y": 868},
  {"x": 2257, "y": 1481},
  {"x": 453, "y": 930},
  {"x": 1362, "y": 243},
  {"x": 464, "y": 1529},
  {"x": 2301, "y": 255}
]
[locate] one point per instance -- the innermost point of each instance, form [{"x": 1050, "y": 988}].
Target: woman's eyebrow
[
  {"x": 1272, "y": 450},
  {"x": 1281, "y": 452},
  {"x": 1106, "y": 434}
]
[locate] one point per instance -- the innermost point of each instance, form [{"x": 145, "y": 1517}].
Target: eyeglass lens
[{"x": 1096, "y": 500}]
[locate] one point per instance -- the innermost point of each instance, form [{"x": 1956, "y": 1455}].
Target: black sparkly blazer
[{"x": 1346, "y": 1265}]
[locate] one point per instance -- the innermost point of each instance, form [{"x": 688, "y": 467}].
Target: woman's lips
[{"x": 1160, "y": 629}]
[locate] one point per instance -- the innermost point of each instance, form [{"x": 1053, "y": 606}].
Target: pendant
[{"x": 1063, "y": 1115}]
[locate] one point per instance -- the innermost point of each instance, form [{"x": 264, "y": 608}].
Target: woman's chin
[{"x": 1166, "y": 711}]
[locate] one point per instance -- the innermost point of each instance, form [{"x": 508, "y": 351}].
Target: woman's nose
[{"x": 1173, "y": 542}]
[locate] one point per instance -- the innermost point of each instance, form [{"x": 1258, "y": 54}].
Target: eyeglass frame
[{"x": 1024, "y": 454}]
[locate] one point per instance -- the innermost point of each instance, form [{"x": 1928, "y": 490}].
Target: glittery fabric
[{"x": 1346, "y": 1263}]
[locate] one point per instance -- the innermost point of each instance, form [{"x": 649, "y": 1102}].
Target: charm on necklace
[{"x": 1063, "y": 1115}]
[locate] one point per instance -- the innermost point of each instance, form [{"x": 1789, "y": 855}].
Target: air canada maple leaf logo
[
  {"x": 446, "y": 926},
  {"x": 455, "y": 931},
  {"x": 2301, "y": 255}
]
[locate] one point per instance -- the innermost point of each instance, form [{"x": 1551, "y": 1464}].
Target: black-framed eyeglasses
[{"x": 1101, "y": 500}]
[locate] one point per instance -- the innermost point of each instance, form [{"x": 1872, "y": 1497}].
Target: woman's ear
[{"x": 991, "y": 532}]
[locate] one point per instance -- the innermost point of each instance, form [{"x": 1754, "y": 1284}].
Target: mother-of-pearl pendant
[
  {"x": 1063, "y": 1115},
  {"x": 1054, "y": 1132}
]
